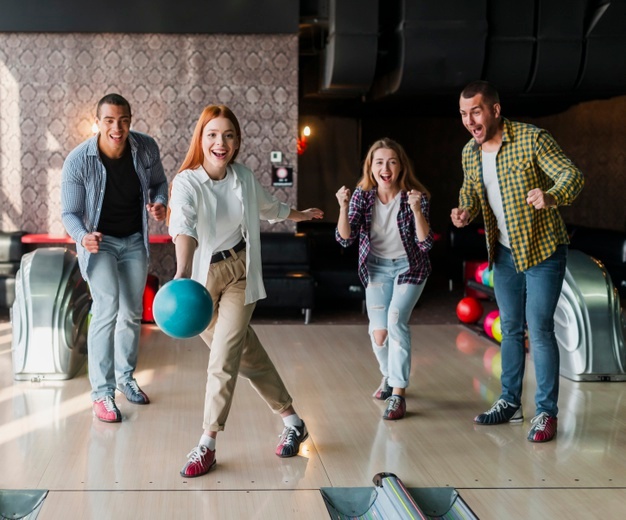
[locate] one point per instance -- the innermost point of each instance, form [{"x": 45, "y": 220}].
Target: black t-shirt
[{"x": 121, "y": 214}]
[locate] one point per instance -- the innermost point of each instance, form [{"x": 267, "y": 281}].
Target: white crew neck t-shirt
[{"x": 492, "y": 187}]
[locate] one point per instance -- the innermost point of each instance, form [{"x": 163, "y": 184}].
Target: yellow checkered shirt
[{"x": 528, "y": 158}]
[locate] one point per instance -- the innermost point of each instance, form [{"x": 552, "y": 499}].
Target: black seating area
[
  {"x": 11, "y": 251},
  {"x": 334, "y": 267},
  {"x": 286, "y": 273},
  {"x": 309, "y": 269}
]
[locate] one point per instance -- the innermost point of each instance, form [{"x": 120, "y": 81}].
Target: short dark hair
[
  {"x": 486, "y": 89},
  {"x": 113, "y": 99}
]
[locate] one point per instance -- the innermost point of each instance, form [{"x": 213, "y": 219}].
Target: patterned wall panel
[{"x": 50, "y": 84}]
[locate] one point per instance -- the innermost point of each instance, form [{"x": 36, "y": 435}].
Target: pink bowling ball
[
  {"x": 488, "y": 323},
  {"x": 478, "y": 274}
]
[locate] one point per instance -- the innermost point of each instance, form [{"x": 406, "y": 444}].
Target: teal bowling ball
[
  {"x": 488, "y": 277},
  {"x": 182, "y": 308}
]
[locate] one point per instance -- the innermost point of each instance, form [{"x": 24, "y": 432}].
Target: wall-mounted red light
[{"x": 301, "y": 141}]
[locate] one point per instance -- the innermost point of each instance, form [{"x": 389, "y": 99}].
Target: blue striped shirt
[
  {"x": 83, "y": 182},
  {"x": 360, "y": 218}
]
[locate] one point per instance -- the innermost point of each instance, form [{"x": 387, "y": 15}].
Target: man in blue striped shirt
[{"x": 110, "y": 184}]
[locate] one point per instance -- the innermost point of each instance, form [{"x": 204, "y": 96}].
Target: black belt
[{"x": 223, "y": 255}]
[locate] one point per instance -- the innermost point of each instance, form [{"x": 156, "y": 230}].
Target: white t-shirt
[
  {"x": 494, "y": 197},
  {"x": 193, "y": 208},
  {"x": 229, "y": 214},
  {"x": 385, "y": 241}
]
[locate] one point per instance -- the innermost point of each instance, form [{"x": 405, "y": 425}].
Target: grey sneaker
[
  {"x": 133, "y": 393},
  {"x": 383, "y": 392},
  {"x": 501, "y": 412}
]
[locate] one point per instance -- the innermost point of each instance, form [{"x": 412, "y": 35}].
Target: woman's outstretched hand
[{"x": 311, "y": 213}]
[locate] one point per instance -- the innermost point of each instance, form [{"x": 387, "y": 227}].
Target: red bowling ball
[{"x": 469, "y": 310}]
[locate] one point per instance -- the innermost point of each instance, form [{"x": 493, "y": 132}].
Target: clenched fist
[
  {"x": 460, "y": 217},
  {"x": 343, "y": 197},
  {"x": 91, "y": 241},
  {"x": 415, "y": 200}
]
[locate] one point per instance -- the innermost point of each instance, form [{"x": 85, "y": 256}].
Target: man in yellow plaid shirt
[{"x": 518, "y": 175}]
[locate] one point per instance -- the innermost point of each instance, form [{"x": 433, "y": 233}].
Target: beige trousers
[{"x": 235, "y": 347}]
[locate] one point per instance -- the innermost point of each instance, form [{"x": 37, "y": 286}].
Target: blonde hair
[{"x": 407, "y": 180}]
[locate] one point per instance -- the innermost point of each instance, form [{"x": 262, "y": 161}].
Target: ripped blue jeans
[{"x": 389, "y": 307}]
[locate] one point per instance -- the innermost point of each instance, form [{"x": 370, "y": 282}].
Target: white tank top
[
  {"x": 490, "y": 178},
  {"x": 385, "y": 241}
]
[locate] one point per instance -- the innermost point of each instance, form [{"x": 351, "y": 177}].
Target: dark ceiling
[
  {"x": 413, "y": 56},
  {"x": 416, "y": 55},
  {"x": 150, "y": 16}
]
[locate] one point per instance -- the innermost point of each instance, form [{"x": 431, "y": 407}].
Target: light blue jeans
[
  {"x": 389, "y": 307},
  {"x": 117, "y": 278},
  {"x": 529, "y": 298}
]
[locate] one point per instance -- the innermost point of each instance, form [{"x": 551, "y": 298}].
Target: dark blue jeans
[{"x": 529, "y": 298}]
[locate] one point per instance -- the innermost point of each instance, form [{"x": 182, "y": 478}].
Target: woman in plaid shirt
[{"x": 389, "y": 213}]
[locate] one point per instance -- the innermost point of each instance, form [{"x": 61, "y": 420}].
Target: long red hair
[{"x": 195, "y": 155}]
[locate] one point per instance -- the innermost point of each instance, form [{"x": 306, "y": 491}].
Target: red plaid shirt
[{"x": 360, "y": 218}]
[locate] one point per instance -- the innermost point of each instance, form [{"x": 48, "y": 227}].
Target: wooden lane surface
[{"x": 50, "y": 441}]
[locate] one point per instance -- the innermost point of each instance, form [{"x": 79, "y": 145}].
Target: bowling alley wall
[{"x": 50, "y": 84}]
